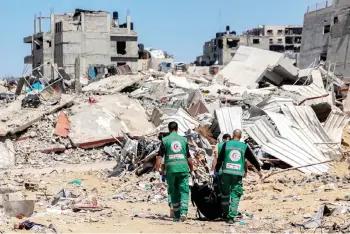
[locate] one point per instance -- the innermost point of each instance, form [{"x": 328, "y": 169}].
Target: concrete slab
[
  {"x": 91, "y": 126},
  {"x": 317, "y": 78},
  {"x": 248, "y": 66},
  {"x": 15, "y": 119},
  {"x": 305, "y": 72},
  {"x": 19, "y": 204},
  {"x": 286, "y": 69},
  {"x": 113, "y": 84},
  {"x": 181, "y": 82},
  {"x": 7, "y": 154},
  {"x": 107, "y": 119},
  {"x": 129, "y": 112}
]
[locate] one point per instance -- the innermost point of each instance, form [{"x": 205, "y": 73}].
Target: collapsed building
[
  {"x": 75, "y": 41},
  {"x": 219, "y": 50},
  {"x": 325, "y": 36},
  {"x": 283, "y": 39}
]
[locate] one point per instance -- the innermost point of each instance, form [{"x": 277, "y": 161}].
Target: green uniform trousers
[
  {"x": 169, "y": 197},
  {"x": 231, "y": 190},
  {"x": 179, "y": 189}
]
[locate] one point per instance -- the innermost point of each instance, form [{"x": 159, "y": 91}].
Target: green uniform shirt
[
  {"x": 219, "y": 150},
  {"x": 175, "y": 153},
  {"x": 234, "y": 158}
]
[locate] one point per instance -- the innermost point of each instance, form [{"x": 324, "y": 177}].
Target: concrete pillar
[
  {"x": 40, "y": 23},
  {"x": 128, "y": 23},
  {"x": 34, "y": 24},
  {"x": 78, "y": 87},
  {"x": 53, "y": 35}
]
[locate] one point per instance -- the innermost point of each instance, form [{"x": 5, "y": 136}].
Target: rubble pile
[
  {"x": 291, "y": 118},
  {"x": 277, "y": 105}
]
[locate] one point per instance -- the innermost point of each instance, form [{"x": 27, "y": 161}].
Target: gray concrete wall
[
  {"x": 275, "y": 36},
  {"x": 95, "y": 40},
  {"x": 338, "y": 49},
  {"x": 142, "y": 64},
  {"x": 154, "y": 62},
  {"x": 314, "y": 41},
  {"x": 341, "y": 3},
  {"x": 248, "y": 41}
]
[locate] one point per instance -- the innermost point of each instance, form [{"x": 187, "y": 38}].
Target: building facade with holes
[
  {"x": 80, "y": 39},
  {"x": 283, "y": 39},
  {"x": 326, "y": 36}
]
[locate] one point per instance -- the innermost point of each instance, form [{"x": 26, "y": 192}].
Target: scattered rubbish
[
  {"x": 317, "y": 219},
  {"x": 7, "y": 97},
  {"x": 92, "y": 100},
  {"x": 87, "y": 208},
  {"x": 31, "y": 100},
  {"x": 77, "y": 182},
  {"x": 31, "y": 186},
  {"x": 62, "y": 126},
  {"x": 27, "y": 225},
  {"x": 139, "y": 214},
  {"x": 62, "y": 196},
  {"x": 118, "y": 197}
]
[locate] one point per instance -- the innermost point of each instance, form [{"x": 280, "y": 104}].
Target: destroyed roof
[
  {"x": 307, "y": 122},
  {"x": 335, "y": 124},
  {"x": 264, "y": 133},
  {"x": 182, "y": 118},
  {"x": 229, "y": 119},
  {"x": 298, "y": 138},
  {"x": 306, "y": 95},
  {"x": 274, "y": 103}
]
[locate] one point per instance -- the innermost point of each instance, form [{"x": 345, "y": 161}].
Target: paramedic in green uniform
[
  {"x": 226, "y": 137},
  {"x": 232, "y": 156},
  {"x": 178, "y": 164}
]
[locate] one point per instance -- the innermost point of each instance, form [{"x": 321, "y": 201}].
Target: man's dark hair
[
  {"x": 172, "y": 126},
  {"x": 226, "y": 136}
]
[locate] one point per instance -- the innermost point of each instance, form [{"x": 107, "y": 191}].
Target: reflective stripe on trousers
[
  {"x": 231, "y": 172},
  {"x": 175, "y": 163}
]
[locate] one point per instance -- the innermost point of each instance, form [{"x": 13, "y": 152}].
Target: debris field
[{"x": 86, "y": 156}]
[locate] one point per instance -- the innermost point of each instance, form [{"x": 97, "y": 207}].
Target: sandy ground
[{"x": 272, "y": 206}]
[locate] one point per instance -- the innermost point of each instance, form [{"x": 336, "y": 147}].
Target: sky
[{"x": 180, "y": 27}]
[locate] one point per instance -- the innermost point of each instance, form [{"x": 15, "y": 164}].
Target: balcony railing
[{"x": 318, "y": 6}]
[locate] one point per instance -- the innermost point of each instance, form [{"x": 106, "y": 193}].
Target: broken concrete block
[
  {"x": 317, "y": 78},
  {"x": 248, "y": 66},
  {"x": 7, "y": 154},
  {"x": 113, "y": 84},
  {"x": 19, "y": 204},
  {"x": 15, "y": 119},
  {"x": 62, "y": 125},
  {"x": 92, "y": 127}
]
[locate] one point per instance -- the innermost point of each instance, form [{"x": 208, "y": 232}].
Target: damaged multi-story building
[
  {"x": 76, "y": 41},
  {"x": 219, "y": 50},
  {"x": 326, "y": 36},
  {"x": 283, "y": 39}
]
